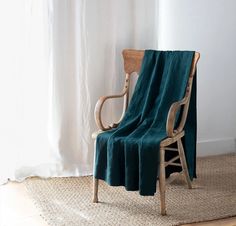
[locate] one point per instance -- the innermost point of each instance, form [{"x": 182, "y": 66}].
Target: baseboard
[{"x": 216, "y": 146}]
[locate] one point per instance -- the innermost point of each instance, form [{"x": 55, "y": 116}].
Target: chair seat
[
  {"x": 170, "y": 140},
  {"x": 164, "y": 143}
]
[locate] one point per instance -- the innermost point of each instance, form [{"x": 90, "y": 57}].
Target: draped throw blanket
[{"x": 129, "y": 154}]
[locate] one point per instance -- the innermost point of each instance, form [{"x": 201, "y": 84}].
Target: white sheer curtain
[
  {"x": 24, "y": 88},
  {"x": 56, "y": 59}
]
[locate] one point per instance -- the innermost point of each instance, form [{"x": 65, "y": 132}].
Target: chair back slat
[{"x": 132, "y": 60}]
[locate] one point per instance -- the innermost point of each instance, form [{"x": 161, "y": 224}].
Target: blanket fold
[{"x": 129, "y": 154}]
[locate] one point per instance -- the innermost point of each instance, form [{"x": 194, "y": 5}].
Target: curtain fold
[{"x": 57, "y": 58}]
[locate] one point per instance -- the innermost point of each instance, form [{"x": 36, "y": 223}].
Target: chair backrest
[
  {"x": 132, "y": 60},
  {"x": 132, "y": 63}
]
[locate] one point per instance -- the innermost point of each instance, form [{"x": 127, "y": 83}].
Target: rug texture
[{"x": 67, "y": 201}]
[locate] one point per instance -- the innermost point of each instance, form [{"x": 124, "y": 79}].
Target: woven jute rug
[{"x": 67, "y": 201}]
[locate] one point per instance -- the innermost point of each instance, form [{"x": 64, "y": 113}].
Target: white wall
[{"x": 210, "y": 28}]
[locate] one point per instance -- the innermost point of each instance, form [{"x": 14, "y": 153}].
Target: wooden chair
[{"x": 132, "y": 63}]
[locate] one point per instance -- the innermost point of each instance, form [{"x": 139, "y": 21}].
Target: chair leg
[
  {"x": 162, "y": 178},
  {"x": 95, "y": 190},
  {"x": 184, "y": 163}
]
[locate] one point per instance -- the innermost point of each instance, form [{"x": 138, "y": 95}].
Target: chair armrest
[
  {"x": 101, "y": 101},
  {"x": 172, "y": 116},
  {"x": 171, "y": 132}
]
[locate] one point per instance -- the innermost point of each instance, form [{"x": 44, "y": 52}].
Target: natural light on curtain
[
  {"x": 24, "y": 87},
  {"x": 56, "y": 59}
]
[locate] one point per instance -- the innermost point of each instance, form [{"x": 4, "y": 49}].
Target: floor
[{"x": 17, "y": 209}]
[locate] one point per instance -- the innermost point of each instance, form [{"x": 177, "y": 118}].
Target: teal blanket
[{"x": 129, "y": 154}]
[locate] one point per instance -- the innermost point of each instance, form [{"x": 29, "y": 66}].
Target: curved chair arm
[
  {"x": 101, "y": 101},
  {"x": 171, "y": 132},
  {"x": 172, "y": 116}
]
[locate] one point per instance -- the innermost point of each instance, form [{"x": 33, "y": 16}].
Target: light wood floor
[{"x": 17, "y": 209}]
